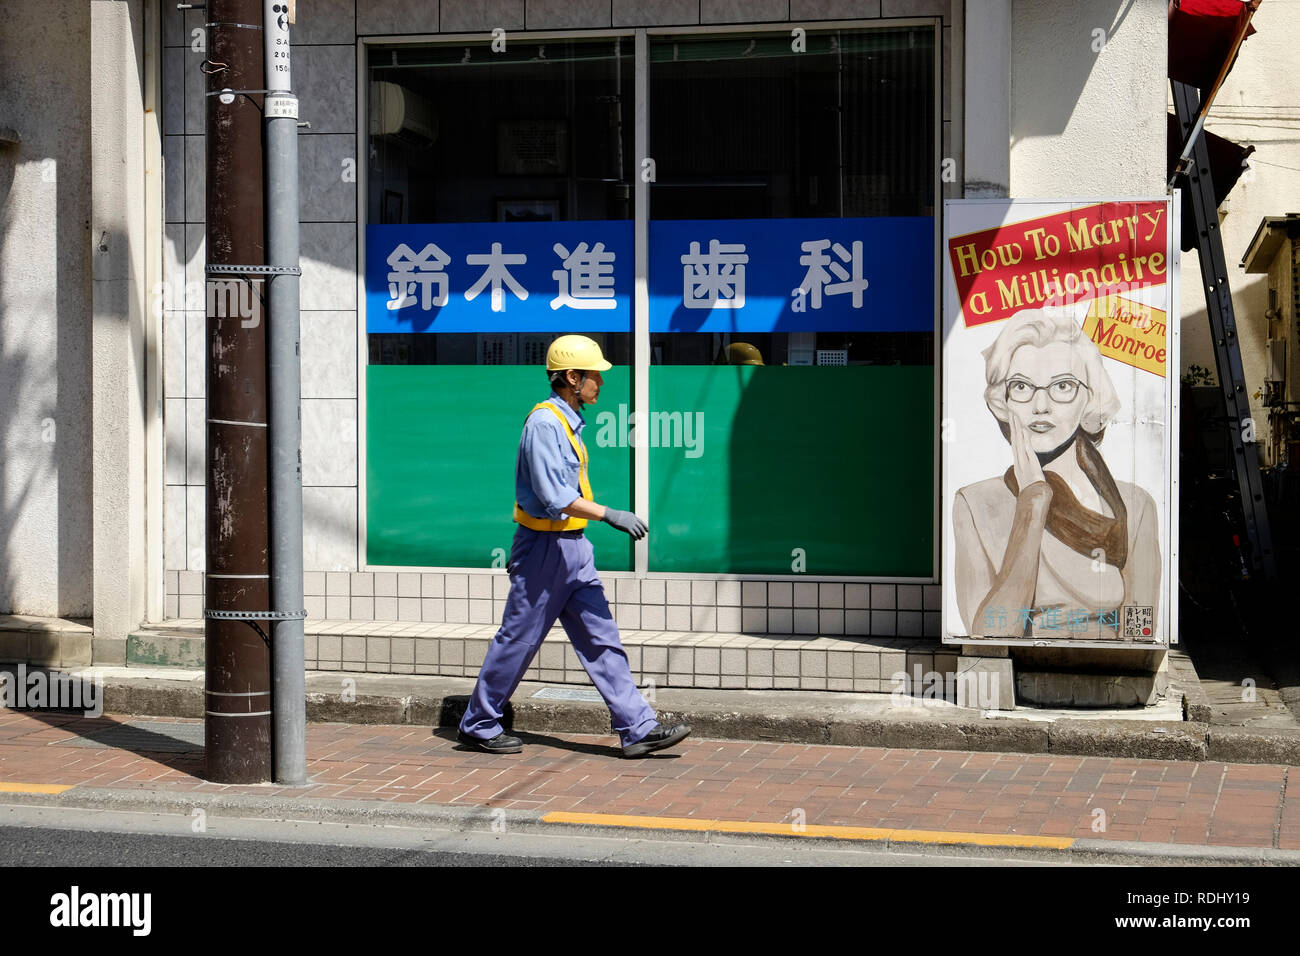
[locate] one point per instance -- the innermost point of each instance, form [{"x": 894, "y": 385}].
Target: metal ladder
[{"x": 1223, "y": 328}]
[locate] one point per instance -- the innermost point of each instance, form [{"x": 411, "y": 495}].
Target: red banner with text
[{"x": 1089, "y": 252}]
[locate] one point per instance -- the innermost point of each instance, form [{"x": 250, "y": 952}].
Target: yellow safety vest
[{"x": 568, "y": 523}]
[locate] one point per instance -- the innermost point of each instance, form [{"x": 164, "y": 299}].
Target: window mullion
[{"x": 641, "y": 300}]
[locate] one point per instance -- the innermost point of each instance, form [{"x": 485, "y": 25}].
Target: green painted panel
[
  {"x": 441, "y": 442},
  {"x": 837, "y": 462}
]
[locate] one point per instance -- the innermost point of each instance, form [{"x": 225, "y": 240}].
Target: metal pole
[
  {"x": 288, "y": 702},
  {"x": 238, "y": 659}
]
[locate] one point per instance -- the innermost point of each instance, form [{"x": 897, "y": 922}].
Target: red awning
[
  {"x": 1200, "y": 37},
  {"x": 1227, "y": 163}
]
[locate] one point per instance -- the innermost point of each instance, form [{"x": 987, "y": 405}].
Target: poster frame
[{"x": 1173, "y": 366}]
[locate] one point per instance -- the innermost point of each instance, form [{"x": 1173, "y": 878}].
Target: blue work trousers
[{"x": 553, "y": 575}]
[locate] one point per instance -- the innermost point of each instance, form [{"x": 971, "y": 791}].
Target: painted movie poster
[{"x": 1056, "y": 422}]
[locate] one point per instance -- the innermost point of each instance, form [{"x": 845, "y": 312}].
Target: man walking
[{"x": 552, "y": 574}]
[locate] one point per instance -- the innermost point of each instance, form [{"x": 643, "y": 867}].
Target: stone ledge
[
  {"x": 865, "y": 720},
  {"x": 1185, "y": 681},
  {"x": 32, "y": 624},
  {"x": 46, "y": 647}
]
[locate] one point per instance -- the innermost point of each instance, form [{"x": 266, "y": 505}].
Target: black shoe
[
  {"x": 657, "y": 739},
  {"x": 500, "y": 744}
]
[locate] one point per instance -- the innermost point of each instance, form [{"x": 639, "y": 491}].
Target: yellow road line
[
  {"x": 812, "y": 830},
  {"x": 33, "y": 787}
]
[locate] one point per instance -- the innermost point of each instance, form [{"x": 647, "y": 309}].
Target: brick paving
[{"x": 1210, "y": 803}]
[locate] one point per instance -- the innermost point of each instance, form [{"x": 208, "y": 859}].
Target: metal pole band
[
  {"x": 238, "y": 92},
  {"x": 255, "y": 615},
  {"x": 219, "y": 269}
]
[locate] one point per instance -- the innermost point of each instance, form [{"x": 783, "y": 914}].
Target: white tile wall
[
  {"x": 174, "y": 556},
  {"x": 173, "y": 176},
  {"x": 196, "y": 431},
  {"x": 332, "y": 21},
  {"x": 568, "y": 14},
  {"x": 325, "y": 78},
  {"x": 329, "y": 442},
  {"x": 195, "y": 519},
  {"x": 396, "y": 16},
  {"x": 174, "y": 440},
  {"x": 743, "y": 11},
  {"x": 173, "y": 355},
  {"x": 629, "y": 13},
  {"x": 196, "y": 373},
  {"x": 195, "y": 176},
  {"x": 833, "y": 9},
  {"x": 327, "y": 176},
  {"x": 329, "y": 264},
  {"x": 329, "y": 529},
  {"x": 466, "y": 16}
]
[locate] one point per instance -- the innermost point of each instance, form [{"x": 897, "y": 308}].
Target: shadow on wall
[
  {"x": 832, "y": 471},
  {"x": 45, "y": 476},
  {"x": 1249, "y": 300},
  {"x": 45, "y": 298},
  {"x": 13, "y": 371},
  {"x": 1061, "y": 60}
]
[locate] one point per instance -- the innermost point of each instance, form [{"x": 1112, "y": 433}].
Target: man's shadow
[{"x": 453, "y": 709}]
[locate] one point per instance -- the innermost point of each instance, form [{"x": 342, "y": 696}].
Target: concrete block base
[
  {"x": 152, "y": 649},
  {"x": 986, "y": 683},
  {"x": 45, "y": 641},
  {"x": 1110, "y": 690},
  {"x": 109, "y": 651}
]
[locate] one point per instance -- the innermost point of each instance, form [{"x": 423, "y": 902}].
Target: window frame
[{"x": 641, "y": 300}]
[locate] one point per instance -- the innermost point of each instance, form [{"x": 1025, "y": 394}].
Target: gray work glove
[{"x": 625, "y": 521}]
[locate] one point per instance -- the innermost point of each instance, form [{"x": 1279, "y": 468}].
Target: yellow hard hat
[
  {"x": 576, "y": 352},
  {"x": 742, "y": 353}
]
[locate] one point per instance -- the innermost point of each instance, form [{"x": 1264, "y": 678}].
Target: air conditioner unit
[
  {"x": 1275, "y": 354},
  {"x": 399, "y": 114}
]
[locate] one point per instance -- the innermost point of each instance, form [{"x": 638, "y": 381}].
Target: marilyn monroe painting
[{"x": 1054, "y": 547}]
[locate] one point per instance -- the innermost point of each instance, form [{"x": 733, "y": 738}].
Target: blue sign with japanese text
[
  {"x": 729, "y": 275},
  {"x": 792, "y": 275},
  {"x": 500, "y": 277}
]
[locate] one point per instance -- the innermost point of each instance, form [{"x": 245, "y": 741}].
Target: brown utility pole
[{"x": 238, "y": 665}]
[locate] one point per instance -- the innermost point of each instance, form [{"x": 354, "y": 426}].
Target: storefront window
[
  {"x": 811, "y": 398},
  {"x": 790, "y": 279},
  {"x": 474, "y": 155}
]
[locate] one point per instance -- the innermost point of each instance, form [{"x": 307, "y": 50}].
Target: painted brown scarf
[{"x": 1080, "y": 528}]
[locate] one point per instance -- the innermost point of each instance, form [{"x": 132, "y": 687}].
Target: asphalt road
[{"x": 55, "y": 836}]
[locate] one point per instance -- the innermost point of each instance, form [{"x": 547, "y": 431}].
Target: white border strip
[{"x": 362, "y": 150}]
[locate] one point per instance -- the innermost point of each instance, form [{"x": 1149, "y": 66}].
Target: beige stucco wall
[
  {"x": 72, "y": 306},
  {"x": 1258, "y": 105},
  {"x": 45, "y": 296},
  {"x": 119, "y": 300},
  {"x": 1087, "y": 98}
]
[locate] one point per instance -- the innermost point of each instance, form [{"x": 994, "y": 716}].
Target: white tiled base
[{"x": 657, "y": 658}]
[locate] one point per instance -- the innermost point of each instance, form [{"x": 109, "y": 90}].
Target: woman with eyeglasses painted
[{"x": 1055, "y": 547}]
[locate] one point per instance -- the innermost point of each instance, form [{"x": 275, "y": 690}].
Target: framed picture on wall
[
  {"x": 528, "y": 210},
  {"x": 533, "y": 147}
]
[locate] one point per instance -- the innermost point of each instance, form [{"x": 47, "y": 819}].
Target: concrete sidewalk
[
  {"x": 1185, "y": 725},
  {"x": 1050, "y": 806}
]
